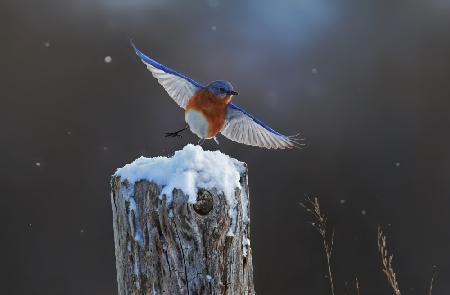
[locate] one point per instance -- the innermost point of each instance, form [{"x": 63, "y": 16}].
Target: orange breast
[{"x": 212, "y": 107}]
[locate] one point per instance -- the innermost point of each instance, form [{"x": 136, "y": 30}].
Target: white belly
[{"x": 197, "y": 123}]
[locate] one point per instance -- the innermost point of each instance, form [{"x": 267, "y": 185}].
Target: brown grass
[
  {"x": 357, "y": 286},
  {"x": 430, "y": 290},
  {"x": 386, "y": 260},
  {"x": 320, "y": 224}
]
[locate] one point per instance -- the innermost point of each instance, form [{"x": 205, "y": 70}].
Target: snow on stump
[{"x": 181, "y": 225}]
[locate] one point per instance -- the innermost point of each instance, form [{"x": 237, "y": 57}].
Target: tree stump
[{"x": 176, "y": 247}]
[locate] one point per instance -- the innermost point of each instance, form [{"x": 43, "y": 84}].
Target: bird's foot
[
  {"x": 201, "y": 141},
  {"x": 176, "y": 133},
  {"x": 173, "y": 134}
]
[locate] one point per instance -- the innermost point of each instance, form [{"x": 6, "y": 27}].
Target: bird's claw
[{"x": 172, "y": 134}]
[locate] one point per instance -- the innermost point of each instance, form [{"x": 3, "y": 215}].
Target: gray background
[{"x": 366, "y": 82}]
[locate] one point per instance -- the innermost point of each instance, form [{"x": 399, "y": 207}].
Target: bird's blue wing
[
  {"x": 178, "y": 86},
  {"x": 242, "y": 127}
]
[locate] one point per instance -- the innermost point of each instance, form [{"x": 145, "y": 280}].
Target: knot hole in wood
[{"x": 204, "y": 203}]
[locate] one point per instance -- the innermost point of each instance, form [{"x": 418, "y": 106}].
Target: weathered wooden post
[{"x": 181, "y": 225}]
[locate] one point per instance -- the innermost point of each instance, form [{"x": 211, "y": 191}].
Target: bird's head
[{"x": 221, "y": 89}]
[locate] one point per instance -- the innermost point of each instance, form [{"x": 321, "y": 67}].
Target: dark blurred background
[{"x": 366, "y": 82}]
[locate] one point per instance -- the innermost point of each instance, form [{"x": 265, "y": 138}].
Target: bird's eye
[{"x": 222, "y": 89}]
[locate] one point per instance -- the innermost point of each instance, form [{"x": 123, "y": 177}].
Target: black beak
[{"x": 232, "y": 92}]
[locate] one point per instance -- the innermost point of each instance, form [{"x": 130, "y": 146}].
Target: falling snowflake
[
  {"x": 38, "y": 164},
  {"x": 342, "y": 201},
  {"x": 108, "y": 59},
  {"x": 213, "y": 28},
  {"x": 397, "y": 164},
  {"x": 314, "y": 71},
  {"x": 363, "y": 212},
  {"x": 47, "y": 44},
  {"x": 213, "y": 3}
]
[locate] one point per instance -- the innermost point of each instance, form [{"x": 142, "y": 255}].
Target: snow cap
[{"x": 189, "y": 169}]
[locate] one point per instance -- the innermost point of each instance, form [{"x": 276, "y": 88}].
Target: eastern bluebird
[{"x": 209, "y": 110}]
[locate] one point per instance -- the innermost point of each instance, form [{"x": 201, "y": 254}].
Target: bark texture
[{"x": 178, "y": 247}]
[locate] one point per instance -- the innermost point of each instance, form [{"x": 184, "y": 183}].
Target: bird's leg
[
  {"x": 176, "y": 133},
  {"x": 201, "y": 141},
  {"x": 216, "y": 140}
]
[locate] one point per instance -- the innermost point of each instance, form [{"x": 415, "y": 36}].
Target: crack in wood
[
  {"x": 184, "y": 259},
  {"x": 183, "y": 253}
]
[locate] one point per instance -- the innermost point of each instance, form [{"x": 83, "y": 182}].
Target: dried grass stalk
[
  {"x": 320, "y": 224},
  {"x": 386, "y": 260},
  {"x": 430, "y": 291},
  {"x": 357, "y": 286}
]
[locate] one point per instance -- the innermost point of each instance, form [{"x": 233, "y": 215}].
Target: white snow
[
  {"x": 245, "y": 246},
  {"x": 137, "y": 232},
  {"x": 189, "y": 169},
  {"x": 108, "y": 59}
]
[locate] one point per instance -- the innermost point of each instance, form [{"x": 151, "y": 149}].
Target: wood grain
[{"x": 180, "y": 248}]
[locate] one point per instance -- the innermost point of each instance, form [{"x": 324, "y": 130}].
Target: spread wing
[
  {"x": 178, "y": 86},
  {"x": 242, "y": 127}
]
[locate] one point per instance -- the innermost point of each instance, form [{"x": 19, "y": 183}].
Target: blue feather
[
  {"x": 233, "y": 106},
  {"x": 162, "y": 67}
]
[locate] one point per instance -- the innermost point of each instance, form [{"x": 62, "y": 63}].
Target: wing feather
[
  {"x": 242, "y": 127},
  {"x": 179, "y": 87}
]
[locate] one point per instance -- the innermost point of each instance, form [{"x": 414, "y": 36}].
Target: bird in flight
[{"x": 209, "y": 110}]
